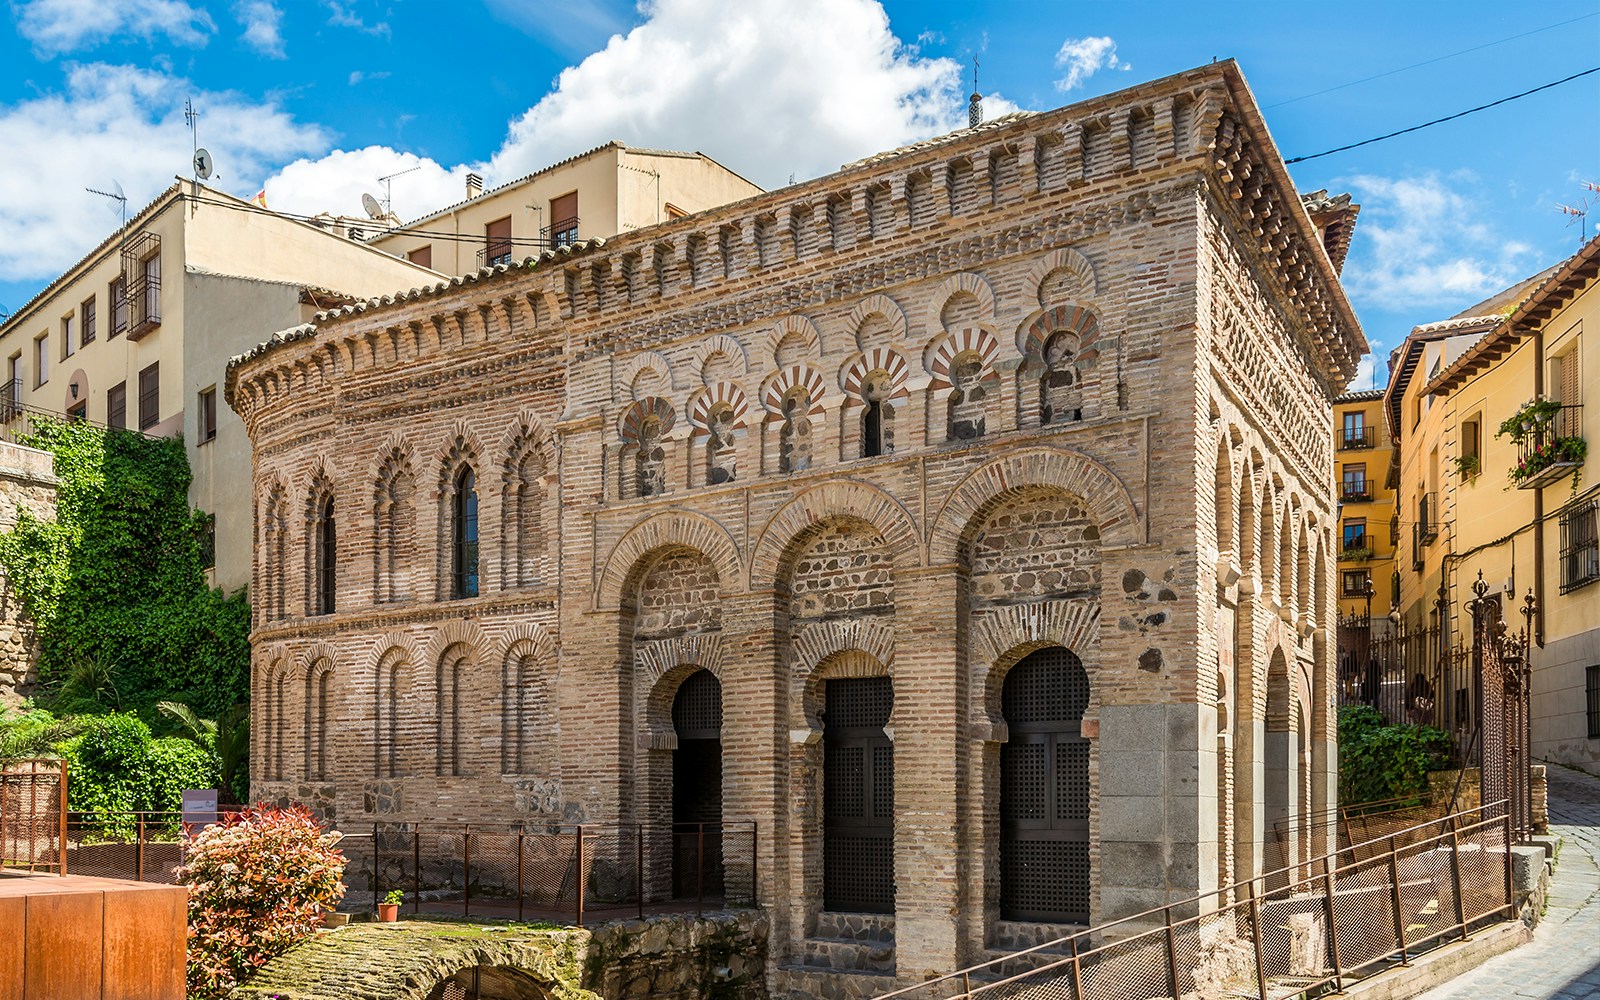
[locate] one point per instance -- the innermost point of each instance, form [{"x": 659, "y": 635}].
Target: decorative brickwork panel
[
  {"x": 842, "y": 568},
  {"x": 1035, "y": 546}
]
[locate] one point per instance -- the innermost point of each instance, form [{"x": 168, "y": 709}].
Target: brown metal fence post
[
  {"x": 966, "y": 983},
  {"x": 1255, "y": 937},
  {"x": 416, "y": 870},
  {"x": 63, "y": 851},
  {"x": 138, "y": 849},
  {"x": 1077, "y": 969},
  {"x": 1505, "y": 831},
  {"x": 638, "y": 864},
  {"x": 1333, "y": 926},
  {"x": 580, "y": 875},
  {"x": 1394, "y": 898},
  {"x": 466, "y": 871},
  {"x": 755, "y": 864},
  {"x": 1172, "y": 951},
  {"x": 520, "y": 892},
  {"x": 700, "y": 870},
  {"x": 1455, "y": 878},
  {"x": 377, "y": 868}
]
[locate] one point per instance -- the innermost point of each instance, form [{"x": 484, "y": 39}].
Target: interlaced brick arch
[
  {"x": 725, "y": 346},
  {"x": 1107, "y": 500},
  {"x": 703, "y": 402},
  {"x": 1076, "y": 319},
  {"x": 633, "y": 418},
  {"x": 859, "y": 366},
  {"x": 667, "y": 529},
  {"x": 827, "y": 501},
  {"x": 649, "y": 363},
  {"x": 947, "y": 347},
  {"x": 879, "y": 305},
  {"x": 460, "y": 449},
  {"x": 957, "y": 284},
  {"x": 1001, "y": 637},
  {"x": 783, "y": 382}
]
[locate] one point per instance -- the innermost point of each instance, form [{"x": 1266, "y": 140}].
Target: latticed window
[
  {"x": 1044, "y": 790},
  {"x": 1591, "y": 697},
  {"x": 1580, "y": 545},
  {"x": 697, "y": 786},
  {"x": 464, "y": 536},
  {"x": 858, "y": 796},
  {"x": 327, "y": 560}
]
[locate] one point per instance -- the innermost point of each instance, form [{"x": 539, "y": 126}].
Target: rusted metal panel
[
  {"x": 146, "y": 931},
  {"x": 13, "y": 922},
  {"x": 64, "y": 932}
]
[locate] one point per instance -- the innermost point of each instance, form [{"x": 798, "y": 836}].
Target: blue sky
[{"x": 313, "y": 99}]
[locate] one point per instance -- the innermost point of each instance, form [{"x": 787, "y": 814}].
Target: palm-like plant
[{"x": 227, "y": 738}]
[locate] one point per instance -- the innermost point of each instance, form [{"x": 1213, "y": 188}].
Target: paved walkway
[{"x": 1563, "y": 960}]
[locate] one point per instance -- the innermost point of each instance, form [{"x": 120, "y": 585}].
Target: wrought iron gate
[
  {"x": 1502, "y": 672},
  {"x": 1044, "y": 790},
  {"x": 858, "y": 796}
]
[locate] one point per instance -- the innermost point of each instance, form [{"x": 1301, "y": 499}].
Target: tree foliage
[
  {"x": 1379, "y": 761},
  {"x": 258, "y": 882},
  {"x": 116, "y": 584},
  {"x": 115, "y": 767}
]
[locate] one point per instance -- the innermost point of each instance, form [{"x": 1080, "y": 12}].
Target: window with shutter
[
  {"x": 1044, "y": 790},
  {"x": 857, "y": 796},
  {"x": 497, "y": 242}
]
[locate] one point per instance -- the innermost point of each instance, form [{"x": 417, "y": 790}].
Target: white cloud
[
  {"x": 356, "y": 76},
  {"x": 1425, "y": 241},
  {"x": 336, "y": 182},
  {"x": 262, "y": 22},
  {"x": 1084, "y": 57},
  {"x": 342, "y": 15},
  {"x": 121, "y": 123},
  {"x": 57, "y": 26},
  {"x": 728, "y": 79}
]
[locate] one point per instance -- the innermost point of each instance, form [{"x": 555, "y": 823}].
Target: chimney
[{"x": 474, "y": 186}]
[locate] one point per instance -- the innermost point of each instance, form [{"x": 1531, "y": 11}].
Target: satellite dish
[
  {"x": 373, "y": 207},
  {"x": 202, "y": 163}
]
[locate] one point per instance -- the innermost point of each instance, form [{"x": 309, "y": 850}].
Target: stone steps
[
  {"x": 848, "y": 955},
  {"x": 801, "y": 982}
]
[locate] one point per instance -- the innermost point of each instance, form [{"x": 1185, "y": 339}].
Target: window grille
[
  {"x": 465, "y": 537},
  {"x": 1044, "y": 790},
  {"x": 150, "y": 397},
  {"x": 327, "y": 559},
  {"x": 697, "y": 708},
  {"x": 858, "y": 796},
  {"x": 1591, "y": 696},
  {"x": 1580, "y": 545},
  {"x": 117, "y": 406}
]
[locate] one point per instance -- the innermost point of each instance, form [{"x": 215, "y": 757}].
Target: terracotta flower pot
[{"x": 388, "y": 913}]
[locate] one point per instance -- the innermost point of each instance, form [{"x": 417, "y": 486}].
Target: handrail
[{"x": 1246, "y": 884}]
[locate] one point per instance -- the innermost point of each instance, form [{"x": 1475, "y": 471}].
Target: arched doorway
[
  {"x": 1279, "y": 757},
  {"x": 697, "y": 786},
  {"x": 1044, "y": 790},
  {"x": 491, "y": 982},
  {"x": 857, "y": 796}
]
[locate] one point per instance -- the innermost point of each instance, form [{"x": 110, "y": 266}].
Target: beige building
[
  {"x": 608, "y": 190},
  {"x": 1513, "y": 414},
  {"x": 876, "y": 511},
  {"x": 137, "y": 334}
]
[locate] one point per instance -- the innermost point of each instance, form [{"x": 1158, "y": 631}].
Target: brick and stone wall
[
  {"x": 27, "y": 483},
  {"x": 751, "y": 460}
]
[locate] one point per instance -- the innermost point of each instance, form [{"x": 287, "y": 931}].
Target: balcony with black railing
[
  {"x": 1550, "y": 443},
  {"x": 561, "y": 233},
  {"x": 1428, "y": 517},
  {"x": 1356, "y": 549},
  {"x": 1357, "y": 438},
  {"x": 1355, "y": 491}
]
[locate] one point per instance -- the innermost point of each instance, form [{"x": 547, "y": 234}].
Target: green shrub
[
  {"x": 1380, "y": 761},
  {"x": 115, "y": 767},
  {"x": 258, "y": 882}
]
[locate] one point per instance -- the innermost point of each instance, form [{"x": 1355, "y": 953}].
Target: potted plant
[
  {"x": 1466, "y": 466},
  {"x": 389, "y": 909}
]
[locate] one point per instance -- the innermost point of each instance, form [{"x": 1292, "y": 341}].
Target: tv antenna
[
  {"x": 388, "y": 190},
  {"x": 1579, "y": 213},
  {"x": 116, "y": 195}
]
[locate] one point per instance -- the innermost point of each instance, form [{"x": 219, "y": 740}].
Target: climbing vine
[{"x": 116, "y": 584}]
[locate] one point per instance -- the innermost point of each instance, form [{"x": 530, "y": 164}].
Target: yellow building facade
[
  {"x": 1511, "y": 425},
  {"x": 606, "y": 191},
  {"x": 138, "y": 333},
  {"x": 1363, "y": 453}
]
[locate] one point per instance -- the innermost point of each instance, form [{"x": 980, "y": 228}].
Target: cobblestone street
[{"x": 1563, "y": 960}]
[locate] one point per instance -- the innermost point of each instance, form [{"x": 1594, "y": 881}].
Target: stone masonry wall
[{"x": 27, "y": 483}]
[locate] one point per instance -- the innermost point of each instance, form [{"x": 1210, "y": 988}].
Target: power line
[
  {"x": 1447, "y": 118},
  {"x": 1429, "y": 62}
]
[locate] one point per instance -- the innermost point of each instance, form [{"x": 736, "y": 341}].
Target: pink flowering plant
[{"x": 258, "y": 883}]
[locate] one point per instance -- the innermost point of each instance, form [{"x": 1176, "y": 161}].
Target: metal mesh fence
[
  {"x": 1328, "y": 922},
  {"x": 33, "y": 801}
]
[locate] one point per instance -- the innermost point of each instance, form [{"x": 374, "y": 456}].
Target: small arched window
[
  {"x": 794, "y": 439},
  {"x": 877, "y": 421},
  {"x": 965, "y": 417},
  {"x": 327, "y": 558},
  {"x": 1062, "y": 384},
  {"x": 651, "y": 459},
  {"x": 720, "y": 458},
  {"x": 464, "y": 536}
]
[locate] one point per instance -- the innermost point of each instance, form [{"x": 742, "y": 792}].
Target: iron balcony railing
[
  {"x": 1428, "y": 517},
  {"x": 1357, "y": 438},
  {"x": 1354, "y": 491},
  {"x": 1551, "y": 449},
  {"x": 561, "y": 233},
  {"x": 1356, "y": 548}
]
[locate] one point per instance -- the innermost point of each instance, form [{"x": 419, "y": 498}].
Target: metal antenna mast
[{"x": 388, "y": 187}]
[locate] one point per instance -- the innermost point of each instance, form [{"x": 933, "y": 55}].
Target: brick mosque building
[{"x": 962, "y": 517}]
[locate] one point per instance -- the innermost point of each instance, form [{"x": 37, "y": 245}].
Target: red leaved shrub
[{"x": 258, "y": 882}]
